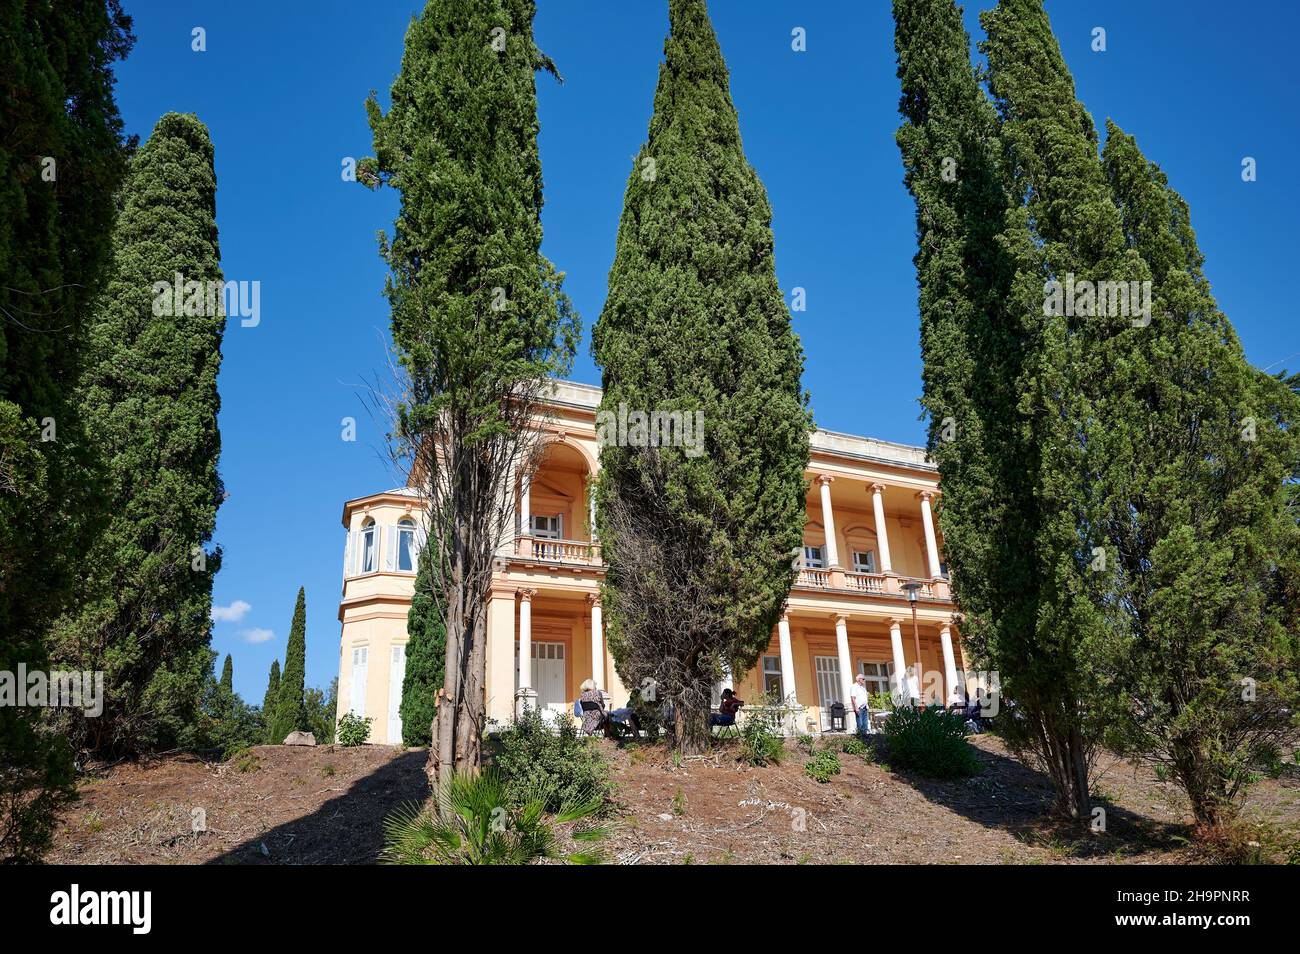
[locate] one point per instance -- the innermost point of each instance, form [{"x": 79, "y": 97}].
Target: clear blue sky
[{"x": 1201, "y": 83}]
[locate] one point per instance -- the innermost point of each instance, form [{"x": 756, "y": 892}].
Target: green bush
[
  {"x": 469, "y": 823},
  {"x": 930, "y": 741},
  {"x": 557, "y": 767},
  {"x": 759, "y": 744},
  {"x": 353, "y": 730},
  {"x": 822, "y": 765},
  {"x": 852, "y": 745}
]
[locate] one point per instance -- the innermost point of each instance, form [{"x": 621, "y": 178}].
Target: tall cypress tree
[
  {"x": 227, "y": 681},
  {"x": 151, "y": 403},
  {"x": 1063, "y": 229},
  {"x": 971, "y": 346},
  {"x": 426, "y": 654},
  {"x": 1202, "y": 446},
  {"x": 479, "y": 318},
  {"x": 62, "y": 159},
  {"x": 698, "y": 546},
  {"x": 272, "y": 695},
  {"x": 290, "y": 710}
]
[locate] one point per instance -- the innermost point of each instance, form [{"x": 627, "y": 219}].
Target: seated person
[
  {"x": 626, "y": 717},
  {"x": 727, "y": 709},
  {"x": 594, "y": 716}
]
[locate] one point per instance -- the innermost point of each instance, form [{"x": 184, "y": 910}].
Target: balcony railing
[
  {"x": 865, "y": 582},
  {"x": 811, "y": 577},
  {"x": 558, "y": 551}
]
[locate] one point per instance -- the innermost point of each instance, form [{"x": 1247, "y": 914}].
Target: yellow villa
[{"x": 871, "y": 592}]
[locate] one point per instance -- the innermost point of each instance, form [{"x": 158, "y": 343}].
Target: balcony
[
  {"x": 547, "y": 550},
  {"x": 875, "y": 584}
]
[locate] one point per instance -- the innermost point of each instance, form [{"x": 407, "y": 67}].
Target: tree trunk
[{"x": 690, "y": 728}]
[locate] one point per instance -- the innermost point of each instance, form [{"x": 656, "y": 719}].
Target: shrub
[
  {"x": 930, "y": 741},
  {"x": 470, "y": 824},
  {"x": 822, "y": 766},
  {"x": 852, "y": 745},
  {"x": 557, "y": 767},
  {"x": 759, "y": 745},
  {"x": 353, "y": 730}
]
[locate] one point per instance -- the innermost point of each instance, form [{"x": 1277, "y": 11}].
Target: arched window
[
  {"x": 369, "y": 547},
  {"x": 406, "y": 545}
]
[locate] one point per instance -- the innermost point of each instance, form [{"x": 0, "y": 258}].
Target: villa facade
[{"x": 870, "y": 535}]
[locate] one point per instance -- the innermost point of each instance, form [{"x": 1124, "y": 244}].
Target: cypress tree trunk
[
  {"x": 290, "y": 710},
  {"x": 479, "y": 320},
  {"x": 701, "y": 502},
  {"x": 62, "y": 159},
  {"x": 151, "y": 404}
]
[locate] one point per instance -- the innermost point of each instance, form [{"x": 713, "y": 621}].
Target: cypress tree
[
  {"x": 479, "y": 319},
  {"x": 62, "y": 158},
  {"x": 272, "y": 693},
  {"x": 698, "y": 546},
  {"x": 227, "y": 681},
  {"x": 426, "y": 655},
  {"x": 1202, "y": 447},
  {"x": 290, "y": 709},
  {"x": 971, "y": 347},
  {"x": 150, "y": 397},
  {"x": 1065, "y": 236}
]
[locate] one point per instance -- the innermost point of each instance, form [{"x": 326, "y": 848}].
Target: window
[
  {"x": 360, "y": 666},
  {"x": 827, "y": 671},
  {"x": 943, "y": 569},
  {"x": 548, "y": 528},
  {"x": 406, "y": 545},
  {"x": 812, "y": 558},
  {"x": 369, "y": 547},
  {"x": 772, "y": 678},
  {"x": 878, "y": 675},
  {"x": 864, "y": 561}
]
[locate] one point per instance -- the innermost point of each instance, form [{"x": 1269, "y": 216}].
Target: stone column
[
  {"x": 882, "y": 537},
  {"x": 525, "y": 695},
  {"x": 902, "y": 686},
  {"x": 846, "y": 667},
  {"x": 597, "y": 642},
  {"x": 931, "y": 544},
  {"x": 525, "y": 517},
  {"x": 949, "y": 663},
  {"x": 828, "y": 521},
  {"x": 787, "y": 660}
]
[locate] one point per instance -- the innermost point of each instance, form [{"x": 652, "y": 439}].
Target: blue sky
[{"x": 1201, "y": 84}]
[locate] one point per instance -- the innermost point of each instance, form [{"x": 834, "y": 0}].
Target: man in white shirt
[{"x": 859, "y": 698}]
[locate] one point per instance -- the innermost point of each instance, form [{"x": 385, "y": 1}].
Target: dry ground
[{"x": 293, "y": 805}]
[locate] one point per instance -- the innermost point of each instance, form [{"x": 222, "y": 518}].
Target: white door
[
  {"x": 360, "y": 663},
  {"x": 828, "y": 686},
  {"x": 548, "y": 677},
  {"x": 396, "y": 673}
]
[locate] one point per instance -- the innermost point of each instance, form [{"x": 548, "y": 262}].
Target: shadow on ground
[
  {"x": 347, "y": 830},
  {"x": 1013, "y": 797}
]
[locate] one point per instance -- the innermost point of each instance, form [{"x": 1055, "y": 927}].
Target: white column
[
  {"x": 787, "y": 660},
  {"x": 882, "y": 534},
  {"x": 591, "y": 517},
  {"x": 846, "y": 668},
  {"x": 525, "y": 505},
  {"x": 949, "y": 663},
  {"x": 931, "y": 545},
  {"x": 597, "y": 643},
  {"x": 525, "y": 639},
  {"x": 900, "y": 662},
  {"x": 828, "y": 521}
]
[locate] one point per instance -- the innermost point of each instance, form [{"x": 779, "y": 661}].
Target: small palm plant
[{"x": 471, "y": 823}]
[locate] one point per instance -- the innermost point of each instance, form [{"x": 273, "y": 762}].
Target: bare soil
[{"x": 326, "y": 805}]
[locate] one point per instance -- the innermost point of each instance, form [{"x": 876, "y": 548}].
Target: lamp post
[{"x": 913, "y": 590}]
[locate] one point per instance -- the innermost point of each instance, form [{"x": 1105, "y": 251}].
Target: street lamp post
[{"x": 913, "y": 590}]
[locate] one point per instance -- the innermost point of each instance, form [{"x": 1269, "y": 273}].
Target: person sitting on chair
[
  {"x": 727, "y": 709},
  {"x": 594, "y": 716}
]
